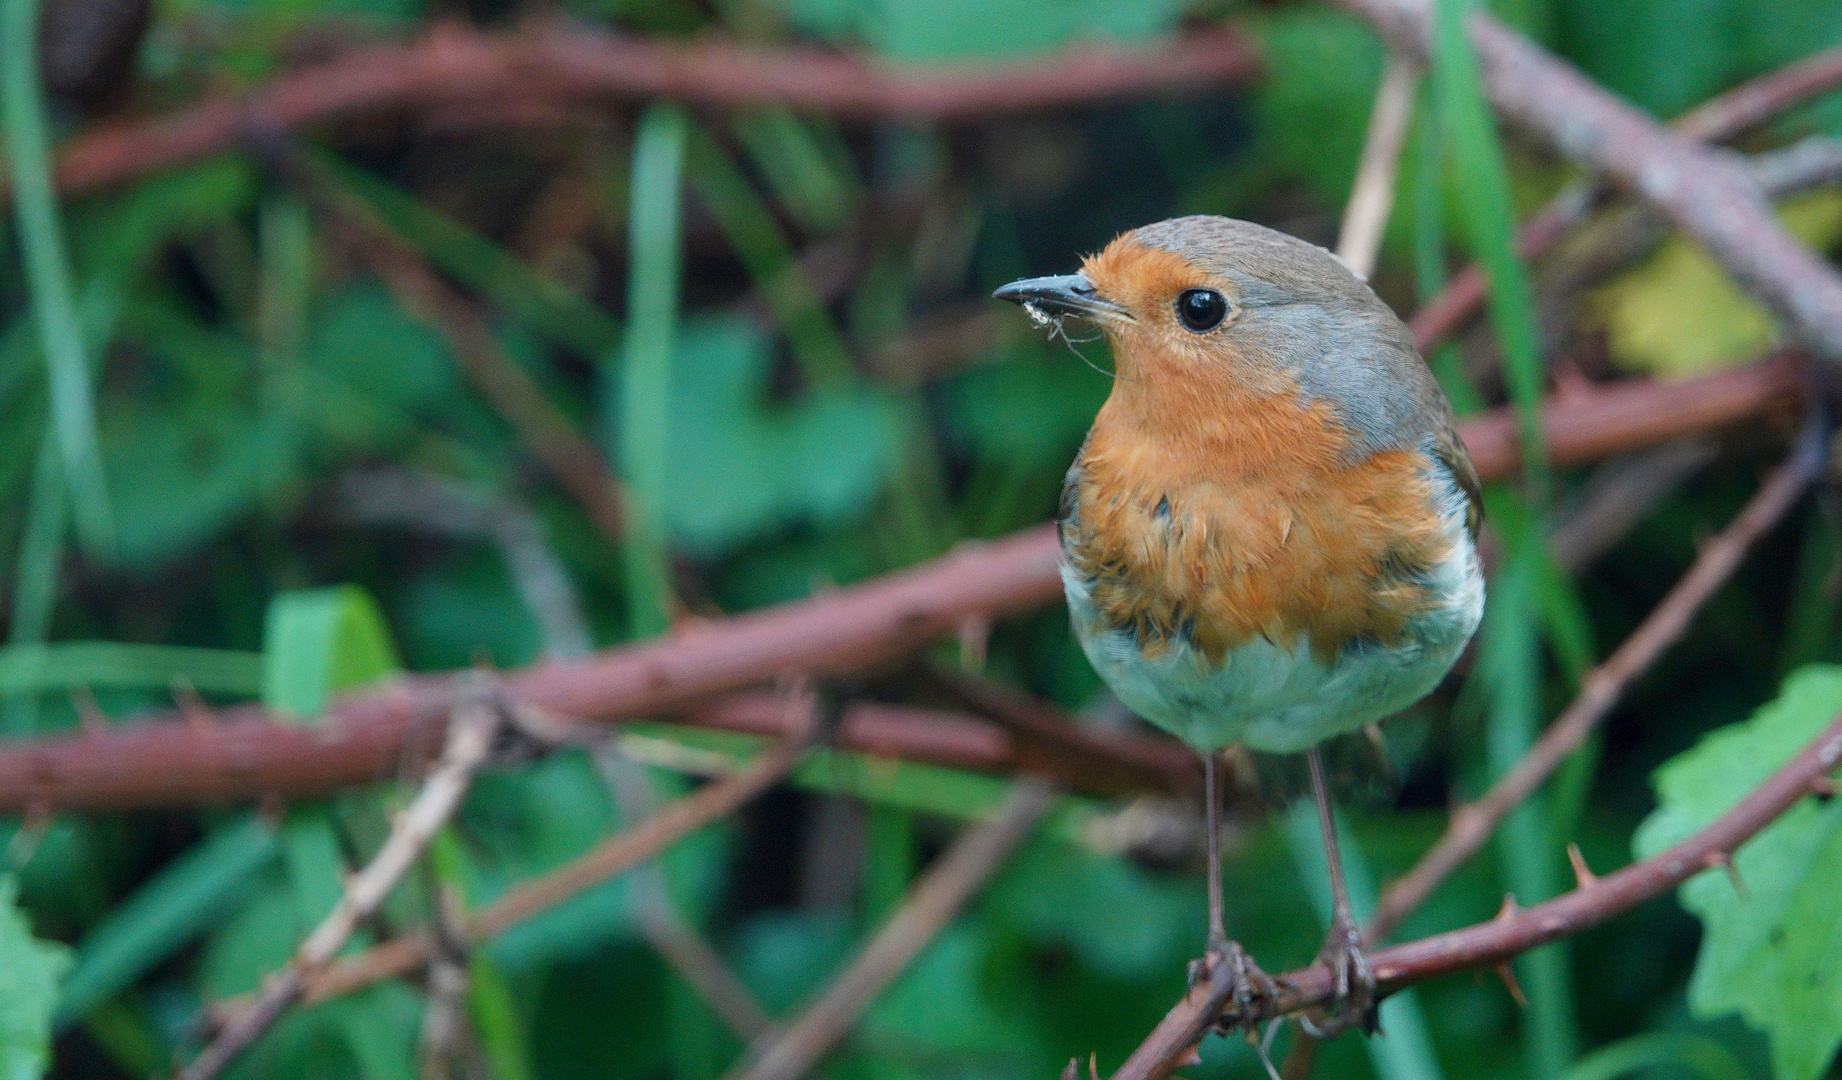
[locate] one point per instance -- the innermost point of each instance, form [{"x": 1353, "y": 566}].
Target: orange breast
[{"x": 1221, "y": 513}]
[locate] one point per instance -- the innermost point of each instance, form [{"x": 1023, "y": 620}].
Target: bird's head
[{"x": 1213, "y": 305}]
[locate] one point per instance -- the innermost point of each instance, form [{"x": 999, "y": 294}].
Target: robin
[{"x": 1269, "y": 535}]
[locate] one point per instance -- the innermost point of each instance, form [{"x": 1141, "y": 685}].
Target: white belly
[{"x": 1278, "y": 699}]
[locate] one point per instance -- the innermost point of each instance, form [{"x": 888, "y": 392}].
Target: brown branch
[
  {"x": 1048, "y": 741},
  {"x": 558, "y": 63},
  {"x": 844, "y": 632},
  {"x": 1509, "y": 935},
  {"x": 1616, "y": 418},
  {"x": 1715, "y": 120},
  {"x": 930, "y": 906},
  {"x": 1472, "y": 825},
  {"x": 639, "y": 844},
  {"x": 471, "y": 732}
]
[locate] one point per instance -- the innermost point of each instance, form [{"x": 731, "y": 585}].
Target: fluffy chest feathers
[{"x": 1219, "y": 516}]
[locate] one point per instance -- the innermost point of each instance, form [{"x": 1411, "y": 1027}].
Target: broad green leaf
[
  {"x": 1768, "y": 955},
  {"x": 1664, "y": 55},
  {"x": 188, "y": 895},
  {"x": 739, "y": 466},
  {"x": 1314, "y": 102},
  {"x": 316, "y": 644},
  {"x": 1678, "y": 314},
  {"x": 29, "y": 972},
  {"x": 941, "y": 29},
  {"x": 98, "y": 664},
  {"x": 320, "y": 642}
]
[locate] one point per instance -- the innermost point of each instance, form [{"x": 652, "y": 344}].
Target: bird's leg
[
  {"x": 1250, "y": 983},
  {"x": 1342, "y": 952}
]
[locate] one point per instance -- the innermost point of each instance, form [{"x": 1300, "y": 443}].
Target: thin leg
[
  {"x": 1251, "y": 985},
  {"x": 1212, "y": 810},
  {"x": 1355, "y": 1005}
]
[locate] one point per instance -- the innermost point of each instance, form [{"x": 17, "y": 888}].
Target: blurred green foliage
[{"x": 774, "y": 326}]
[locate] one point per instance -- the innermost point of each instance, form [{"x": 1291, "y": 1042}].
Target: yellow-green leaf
[{"x": 1677, "y": 314}]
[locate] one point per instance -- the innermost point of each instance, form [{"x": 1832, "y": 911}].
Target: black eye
[{"x": 1201, "y": 310}]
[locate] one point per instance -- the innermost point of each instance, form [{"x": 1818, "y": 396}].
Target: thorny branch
[
  {"x": 691, "y": 673},
  {"x": 471, "y": 731},
  {"x": 574, "y": 64},
  {"x": 1472, "y": 825},
  {"x": 1512, "y": 932}
]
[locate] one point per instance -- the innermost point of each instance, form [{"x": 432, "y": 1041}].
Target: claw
[
  {"x": 1354, "y": 1006},
  {"x": 1251, "y": 987}
]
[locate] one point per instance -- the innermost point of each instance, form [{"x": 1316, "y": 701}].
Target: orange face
[{"x": 1214, "y": 500}]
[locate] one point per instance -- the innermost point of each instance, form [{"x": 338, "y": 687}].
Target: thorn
[
  {"x": 1582, "y": 874},
  {"x": 1072, "y": 1071},
  {"x": 192, "y": 708},
  {"x": 1725, "y": 862},
  {"x": 1823, "y": 787},
  {"x": 89, "y": 714},
  {"x": 1093, "y": 1064},
  {"x": 1192, "y": 1056},
  {"x": 1509, "y": 908},
  {"x": 974, "y": 637},
  {"x": 1510, "y": 984}
]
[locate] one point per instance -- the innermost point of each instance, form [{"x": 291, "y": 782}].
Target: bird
[{"x": 1269, "y": 534}]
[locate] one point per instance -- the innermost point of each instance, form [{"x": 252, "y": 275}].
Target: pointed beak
[{"x": 1068, "y": 294}]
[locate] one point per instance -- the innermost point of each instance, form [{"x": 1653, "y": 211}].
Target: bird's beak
[{"x": 1068, "y": 294}]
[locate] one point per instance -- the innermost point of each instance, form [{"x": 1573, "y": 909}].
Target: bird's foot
[
  {"x": 1354, "y": 1003},
  {"x": 1252, "y": 989}
]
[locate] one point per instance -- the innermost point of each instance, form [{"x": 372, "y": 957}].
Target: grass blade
[
  {"x": 41, "y": 556},
  {"x": 526, "y": 294},
  {"x": 35, "y": 668},
  {"x": 768, "y": 255},
  {"x": 185, "y": 898},
  {"x": 1698, "y": 1054},
  {"x": 1490, "y": 219},
  {"x": 645, "y": 378},
  {"x": 48, "y": 277}
]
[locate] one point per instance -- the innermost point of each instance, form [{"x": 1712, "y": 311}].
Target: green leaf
[
  {"x": 99, "y": 664},
  {"x": 1768, "y": 955},
  {"x": 1678, "y": 314},
  {"x": 1664, "y": 55},
  {"x": 188, "y": 895},
  {"x": 29, "y": 972},
  {"x": 320, "y": 642},
  {"x": 738, "y": 467},
  {"x": 939, "y": 29}
]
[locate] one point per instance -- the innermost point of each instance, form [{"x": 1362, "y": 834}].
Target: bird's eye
[{"x": 1201, "y": 310}]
